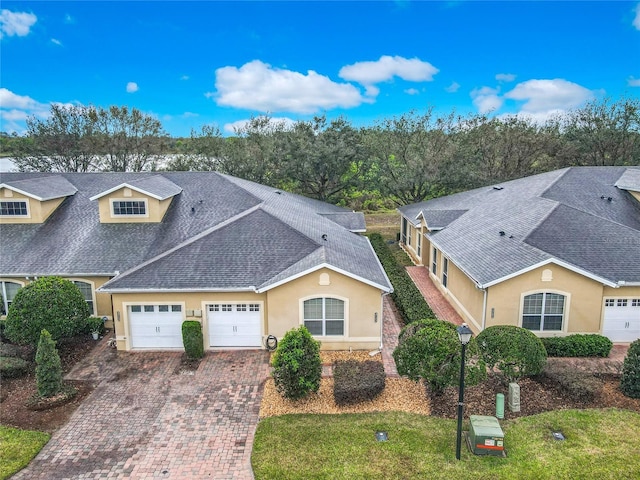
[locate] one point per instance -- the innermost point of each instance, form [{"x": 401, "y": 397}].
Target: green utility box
[{"x": 485, "y": 436}]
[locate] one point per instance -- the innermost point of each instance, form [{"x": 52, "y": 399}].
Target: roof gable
[
  {"x": 156, "y": 186},
  {"x": 41, "y": 188}
]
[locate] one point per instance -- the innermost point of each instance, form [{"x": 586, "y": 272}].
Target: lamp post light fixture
[{"x": 464, "y": 334}]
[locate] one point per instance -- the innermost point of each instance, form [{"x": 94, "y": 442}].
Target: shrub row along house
[
  {"x": 150, "y": 250},
  {"x": 557, "y": 253}
]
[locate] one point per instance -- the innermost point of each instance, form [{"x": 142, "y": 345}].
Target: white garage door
[
  {"x": 156, "y": 326},
  {"x": 621, "y": 319},
  {"x": 235, "y": 325}
]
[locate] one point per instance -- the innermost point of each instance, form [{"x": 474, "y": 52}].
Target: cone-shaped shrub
[
  {"x": 630, "y": 379},
  {"x": 48, "y": 369}
]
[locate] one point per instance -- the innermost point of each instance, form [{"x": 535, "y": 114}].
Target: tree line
[{"x": 398, "y": 160}]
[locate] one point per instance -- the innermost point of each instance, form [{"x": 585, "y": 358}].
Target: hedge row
[
  {"x": 408, "y": 299},
  {"x": 578, "y": 345}
]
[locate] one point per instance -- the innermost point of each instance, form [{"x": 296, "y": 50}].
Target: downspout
[{"x": 484, "y": 309}]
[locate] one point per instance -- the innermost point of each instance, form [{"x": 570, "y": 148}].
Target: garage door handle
[{"x": 157, "y": 329}]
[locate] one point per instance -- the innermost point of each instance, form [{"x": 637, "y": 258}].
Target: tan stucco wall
[
  {"x": 583, "y": 306},
  {"x": 636, "y": 195},
  {"x": 364, "y": 304},
  {"x": 461, "y": 292},
  {"x": 38, "y": 211},
  {"x": 189, "y": 301},
  {"x": 156, "y": 209}
]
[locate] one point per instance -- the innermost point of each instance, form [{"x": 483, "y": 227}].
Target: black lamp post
[{"x": 464, "y": 334}]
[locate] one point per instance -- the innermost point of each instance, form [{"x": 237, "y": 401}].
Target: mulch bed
[
  {"x": 17, "y": 393},
  {"x": 537, "y": 395}
]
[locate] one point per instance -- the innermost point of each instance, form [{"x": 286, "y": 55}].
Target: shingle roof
[
  {"x": 40, "y": 188},
  {"x": 574, "y": 216},
  {"x": 218, "y": 233},
  {"x": 630, "y": 180},
  {"x": 156, "y": 186}
]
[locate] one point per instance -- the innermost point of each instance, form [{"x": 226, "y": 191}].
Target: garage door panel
[
  {"x": 235, "y": 325},
  {"x": 156, "y": 326},
  {"x": 621, "y": 321}
]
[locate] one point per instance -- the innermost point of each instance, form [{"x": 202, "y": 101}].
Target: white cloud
[
  {"x": 453, "y": 88},
  {"x": 189, "y": 115},
  {"x": 259, "y": 86},
  {"x": 132, "y": 87},
  {"x": 505, "y": 77},
  {"x": 486, "y": 99},
  {"x": 184, "y": 77},
  {"x": 541, "y": 96},
  {"x": 16, "y": 23},
  {"x": 412, "y": 91},
  {"x": 56, "y": 41},
  {"x": 238, "y": 125},
  {"x": 69, "y": 19},
  {"x": 14, "y": 110},
  {"x": 633, "y": 82},
  {"x": 387, "y": 67},
  {"x": 636, "y": 20}
]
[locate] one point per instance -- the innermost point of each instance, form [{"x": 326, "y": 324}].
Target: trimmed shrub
[
  {"x": 95, "y": 325},
  {"x": 13, "y": 367},
  {"x": 515, "y": 351},
  {"x": 578, "y": 345},
  {"x": 297, "y": 368},
  {"x": 355, "y": 381},
  {"x": 408, "y": 299},
  {"x": 49, "y": 368},
  {"x": 49, "y": 303},
  {"x": 630, "y": 379},
  {"x": 578, "y": 385},
  {"x": 192, "y": 339},
  {"x": 430, "y": 350}
]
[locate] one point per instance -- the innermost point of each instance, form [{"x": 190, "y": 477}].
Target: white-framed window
[
  {"x": 434, "y": 261},
  {"x": 622, "y": 302},
  {"x": 324, "y": 316},
  {"x": 8, "y": 291},
  {"x": 129, "y": 208},
  {"x": 543, "y": 311},
  {"x": 419, "y": 246},
  {"x": 14, "y": 208},
  {"x": 409, "y": 235},
  {"x": 609, "y": 302},
  {"x": 635, "y": 302},
  {"x": 87, "y": 292},
  {"x": 445, "y": 272}
]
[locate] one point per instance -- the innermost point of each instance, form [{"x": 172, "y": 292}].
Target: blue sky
[{"x": 196, "y": 63}]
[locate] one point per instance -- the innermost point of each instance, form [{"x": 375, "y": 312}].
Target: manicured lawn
[
  {"x": 17, "y": 448},
  {"x": 600, "y": 444}
]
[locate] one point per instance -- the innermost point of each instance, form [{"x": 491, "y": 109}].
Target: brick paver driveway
[{"x": 146, "y": 419}]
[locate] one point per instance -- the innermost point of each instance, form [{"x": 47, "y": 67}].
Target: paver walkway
[
  {"x": 146, "y": 419},
  {"x": 440, "y": 306}
]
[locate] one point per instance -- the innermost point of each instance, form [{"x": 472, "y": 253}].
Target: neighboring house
[
  {"x": 557, "y": 253},
  {"x": 150, "y": 250}
]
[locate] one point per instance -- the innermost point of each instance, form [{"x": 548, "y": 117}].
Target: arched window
[
  {"x": 87, "y": 293},
  {"x": 8, "y": 292},
  {"x": 324, "y": 316},
  {"x": 543, "y": 311}
]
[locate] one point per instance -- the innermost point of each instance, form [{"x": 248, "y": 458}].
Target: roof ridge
[{"x": 566, "y": 169}]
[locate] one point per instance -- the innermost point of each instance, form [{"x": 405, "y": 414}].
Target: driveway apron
[{"x": 148, "y": 418}]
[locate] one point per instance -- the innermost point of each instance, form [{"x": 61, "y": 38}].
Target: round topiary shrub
[
  {"x": 192, "y": 339},
  {"x": 630, "y": 379},
  {"x": 50, "y": 303},
  {"x": 49, "y": 368},
  {"x": 13, "y": 367},
  {"x": 355, "y": 381},
  {"x": 431, "y": 350},
  {"x": 297, "y": 368},
  {"x": 514, "y": 351}
]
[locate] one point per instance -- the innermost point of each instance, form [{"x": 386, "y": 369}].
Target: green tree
[
  {"x": 430, "y": 350},
  {"x": 411, "y": 152},
  {"x": 50, "y": 303},
  {"x": 602, "y": 133},
  {"x": 48, "y": 367},
  {"x": 297, "y": 369},
  {"x": 324, "y": 158},
  {"x": 204, "y": 150},
  {"x": 63, "y": 142}
]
